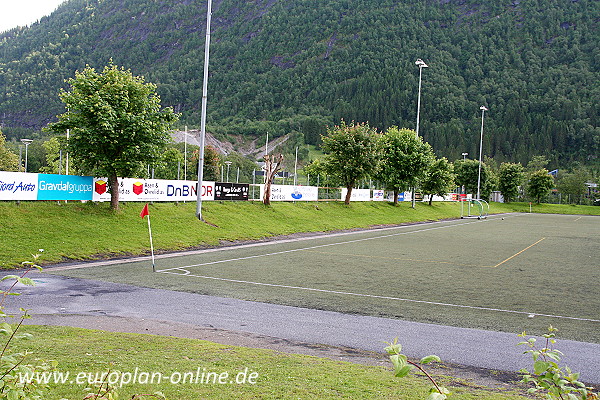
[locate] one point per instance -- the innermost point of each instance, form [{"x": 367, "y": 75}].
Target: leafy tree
[
  {"x": 351, "y": 153},
  {"x": 510, "y": 177},
  {"x": 9, "y": 161},
  {"x": 169, "y": 165},
  {"x": 318, "y": 175},
  {"x": 405, "y": 160},
  {"x": 540, "y": 184},
  {"x": 466, "y": 175},
  {"x": 536, "y": 163},
  {"x": 573, "y": 184},
  {"x": 212, "y": 158},
  {"x": 439, "y": 179},
  {"x": 56, "y": 153},
  {"x": 246, "y": 167},
  {"x": 212, "y": 162},
  {"x": 117, "y": 125}
]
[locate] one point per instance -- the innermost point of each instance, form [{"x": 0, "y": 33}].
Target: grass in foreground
[
  {"x": 88, "y": 231},
  {"x": 277, "y": 375}
]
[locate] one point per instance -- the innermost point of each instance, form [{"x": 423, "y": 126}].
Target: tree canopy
[
  {"x": 439, "y": 179},
  {"x": 539, "y": 185},
  {"x": 280, "y": 66},
  {"x": 351, "y": 153},
  {"x": 510, "y": 177},
  {"x": 405, "y": 159},
  {"x": 8, "y": 160},
  {"x": 466, "y": 175},
  {"x": 117, "y": 126}
]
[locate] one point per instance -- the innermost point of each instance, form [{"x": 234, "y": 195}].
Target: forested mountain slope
[{"x": 281, "y": 65}]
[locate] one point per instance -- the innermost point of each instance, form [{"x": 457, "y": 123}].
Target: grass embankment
[
  {"x": 276, "y": 375},
  {"x": 76, "y": 231}
]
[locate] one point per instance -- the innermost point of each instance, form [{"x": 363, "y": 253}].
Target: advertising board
[
  {"x": 292, "y": 193},
  {"x": 131, "y": 189},
  {"x": 357, "y": 194},
  {"x": 64, "y": 187},
  {"x": 231, "y": 191},
  {"x": 18, "y": 186}
]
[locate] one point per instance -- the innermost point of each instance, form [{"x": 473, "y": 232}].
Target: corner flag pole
[{"x": 143, "y": 214}]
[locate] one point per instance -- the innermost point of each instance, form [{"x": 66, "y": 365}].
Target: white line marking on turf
[
  {"x": 242, "y": 246},
  {"x": 319, "y": 246},
  {"x": 528, "y": 313}
]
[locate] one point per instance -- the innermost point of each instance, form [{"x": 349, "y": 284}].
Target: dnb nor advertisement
[
  {"x": 18, "y": 186},
  {"x": 292, "y": 193},
  {"x": 64, "y": 187},
  {"x": 131, "y": 189}
]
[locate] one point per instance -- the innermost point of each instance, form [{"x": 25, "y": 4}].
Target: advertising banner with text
[
  {"x": 357, "y": 194},
  {"x": 131, "y": 189},
  {"x": 292, "y": 193},
  {"x": 64, "y": 187},
  {"x": 231, "y": 191},
  {"x": 18, "y": 186},
  {"x": 378, "y": 195}
]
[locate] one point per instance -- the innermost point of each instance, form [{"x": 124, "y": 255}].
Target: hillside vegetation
[{"x": 280, "y": 66}]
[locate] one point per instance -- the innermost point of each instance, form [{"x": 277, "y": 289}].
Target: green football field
[{"x": 509, "y": 273}]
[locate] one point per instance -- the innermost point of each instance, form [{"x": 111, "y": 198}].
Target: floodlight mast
[
  {"x": 203, "y": 115},
  {"x": 26, "y": 142},
  {"x": 421, "y": 64},
  {"x": 483, "y": 110}
]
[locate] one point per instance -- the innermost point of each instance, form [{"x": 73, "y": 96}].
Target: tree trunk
[
  {"x": 396, "y": 191},
  {"x": 430, "y": 199},
  {"x": 272, "y": 166},
  {"x": 348, "y": 195},
  {"x": 267, "y": 194},
  {"x": 114, "y": 191}
]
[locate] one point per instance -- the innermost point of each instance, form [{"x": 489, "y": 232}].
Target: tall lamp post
[
  {"x": 26, "y": 142},
  {"x": 483, "y": 110},
  {"x": 421, "y": 64},
  {"x": 203, "y": 112},
  {"x": 228, "y": 164}
]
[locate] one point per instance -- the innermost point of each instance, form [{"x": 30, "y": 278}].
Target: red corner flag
[
  {"x": 144, "y": 211},
  {"x": 143, "y": 214}
]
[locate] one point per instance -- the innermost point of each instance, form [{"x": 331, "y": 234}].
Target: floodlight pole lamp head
[
  {"x": 421, "y": 64},
  {"x": 483, "y": 110}
]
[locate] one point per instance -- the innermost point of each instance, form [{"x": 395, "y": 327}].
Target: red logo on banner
[
  {"x": 138, "y": 188},
  {"x": 100, "y": 187}
]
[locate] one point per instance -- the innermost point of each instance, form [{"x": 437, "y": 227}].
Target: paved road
[{"x": 59, "y": 295}]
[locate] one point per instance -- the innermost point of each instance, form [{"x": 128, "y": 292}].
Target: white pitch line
[
  {"x": 384, "y": 297},
  {"x": 319, "y": 246},
  {"x": 242, "y": 246}
]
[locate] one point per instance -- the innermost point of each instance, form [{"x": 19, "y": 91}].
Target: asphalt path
[{"x": 56, "y": 296}]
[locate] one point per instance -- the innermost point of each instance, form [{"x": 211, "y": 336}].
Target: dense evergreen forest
[{"x": 298, "y": 65}]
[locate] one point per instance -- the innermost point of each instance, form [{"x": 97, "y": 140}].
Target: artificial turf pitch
[{"x": 509, "y": 273}]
